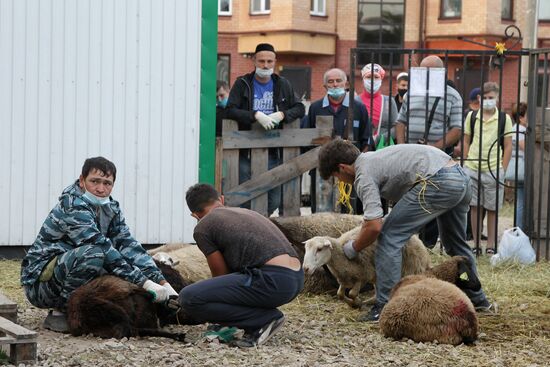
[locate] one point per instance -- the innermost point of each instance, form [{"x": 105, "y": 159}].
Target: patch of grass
[
  {"x": 10, "y": 285},
  {"x": 4, "y": 359}
]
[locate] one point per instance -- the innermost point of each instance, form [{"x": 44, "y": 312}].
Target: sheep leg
[
  {"x": 353, "y": 295},
  {"x": 341, "y": 293}
]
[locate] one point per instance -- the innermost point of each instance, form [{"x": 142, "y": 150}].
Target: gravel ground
[{"x": 321, "y": 331}]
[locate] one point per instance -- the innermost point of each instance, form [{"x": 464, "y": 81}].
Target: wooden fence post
[{"x": 291, "y": 190}]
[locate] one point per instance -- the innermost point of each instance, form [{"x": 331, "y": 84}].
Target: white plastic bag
[{"x": 514, "y": 246}]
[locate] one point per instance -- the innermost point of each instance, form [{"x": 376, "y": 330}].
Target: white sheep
[
  {"x": 354, "y": 274},
  {"x": 432, "y": 306},
  {"x": 301, "y": 228},
  {"x": 187, "y": 259}
]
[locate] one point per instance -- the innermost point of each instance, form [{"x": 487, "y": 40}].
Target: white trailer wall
[{"x": 82, "y": 78}]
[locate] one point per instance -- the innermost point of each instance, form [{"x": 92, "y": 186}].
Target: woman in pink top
[{"x": 380, "y": 107}]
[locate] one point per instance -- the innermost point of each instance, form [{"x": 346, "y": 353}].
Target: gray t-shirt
[
  {"x": 245, "y": 238},
  {"x": 390, "y": 172}
]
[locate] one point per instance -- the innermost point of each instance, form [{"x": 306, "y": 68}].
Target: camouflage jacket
[{"x": 74, "y": 222}]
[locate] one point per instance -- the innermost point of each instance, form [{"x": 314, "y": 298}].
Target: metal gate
[{"x": 503, "y": 65}]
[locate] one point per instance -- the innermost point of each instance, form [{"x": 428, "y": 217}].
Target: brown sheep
[{"x": 426, "y": 309}]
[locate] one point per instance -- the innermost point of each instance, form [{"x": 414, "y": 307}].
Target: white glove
[
  {"x": 171, "y": 291},
  {"x": 277, "y": 117},
  {"x": 349, "y": 250},
  {"x": 159, "y": 292},
  {"x": 264, "y": 120}
]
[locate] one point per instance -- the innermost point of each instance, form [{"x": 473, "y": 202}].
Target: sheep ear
[
  {"x": 327, "y": 243},
  {"x": 175, "y": 263},
  {"x": 464, "y": 276}
]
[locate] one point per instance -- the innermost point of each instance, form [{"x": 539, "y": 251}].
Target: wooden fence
[{"x": 291, "y": 138}]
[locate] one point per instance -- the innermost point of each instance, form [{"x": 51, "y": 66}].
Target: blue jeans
[
  {"x": 446, "y": 197},
  {"x": 245, "y": 174},
  {"x": 247, "y": 300},
  {"x": 520, "y": 204}
]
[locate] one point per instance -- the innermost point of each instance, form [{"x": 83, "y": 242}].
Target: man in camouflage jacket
[{"x": 83, "y": 237}]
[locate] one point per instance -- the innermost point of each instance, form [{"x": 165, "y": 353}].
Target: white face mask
[
  {"x": 96, "y": 200},
  {"x": 489, "y": 104},
  {"x": 375, "y": 87},
  {"x": 264, "y": 73}
]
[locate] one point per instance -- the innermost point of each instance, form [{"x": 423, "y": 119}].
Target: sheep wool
[
  {"x": 187, "y": 259},
  {"x": 355, "y": 274},
  {"x": 299, "y": 229},
  {"x": 426, "y": 309}
]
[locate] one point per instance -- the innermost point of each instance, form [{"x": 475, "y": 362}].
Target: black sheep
[{"x": 110, "y": 307}]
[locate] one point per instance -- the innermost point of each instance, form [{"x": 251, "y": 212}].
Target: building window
[
  {"x": 260, "y": 6},
  {"x": 223, "y": 68},
  {"x": 544, "y": 10},
  {"x": 380, "y": 24},
  {"x": 506, "y": 10},
  {"x": 224, "y": 7},
  {"x": 451, "y": 8},
  {"x": 318, "y": 7}
]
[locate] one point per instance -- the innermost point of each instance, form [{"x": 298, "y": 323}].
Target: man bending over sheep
[
  {"x": 425, "y": 183},
  {"x": 83, "y": 237},
  {"x": 254, "y": 267}
]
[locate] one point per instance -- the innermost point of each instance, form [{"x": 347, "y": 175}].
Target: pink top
[{"x": 377, "y": 107}]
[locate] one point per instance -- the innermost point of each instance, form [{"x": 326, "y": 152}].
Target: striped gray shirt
[{"x": 418, "y": 115}]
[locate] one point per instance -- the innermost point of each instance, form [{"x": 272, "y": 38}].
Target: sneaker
[
  {"x": 262, "y": 335},
  {"x": 373, "y": 315},
  {"x": 56, "y": 321},
  {"x": 486, "y": 307},
  {"x": 490, "y": 251}
]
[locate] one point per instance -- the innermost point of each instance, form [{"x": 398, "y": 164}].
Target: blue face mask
[
  {"x": 96, "y": 200},
  {"x": 222, "y": 103},
  {"x": 336, "y": 92}
]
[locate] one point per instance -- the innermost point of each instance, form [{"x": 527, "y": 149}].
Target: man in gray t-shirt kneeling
[
  {"x": 424, "y": 182},
  {"x": 254, "y": 267}
]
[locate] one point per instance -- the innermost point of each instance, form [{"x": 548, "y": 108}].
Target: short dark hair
[
  {"x": 100, "y": 164},
  {"x": 199, "y": 196},
  {"x": 221, "y": 84},
  {"x": 334, "y": 153},
  {"x": 519, "y": 111}
]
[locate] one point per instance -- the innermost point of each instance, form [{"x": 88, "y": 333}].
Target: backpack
[{"x": 501, "y": 125}]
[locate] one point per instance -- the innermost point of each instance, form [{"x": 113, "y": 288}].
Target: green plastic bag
[{"x": 382, "y": 142}]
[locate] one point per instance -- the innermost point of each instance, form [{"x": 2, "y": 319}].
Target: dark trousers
[
  {"x": 247, "y": 300},
  {"x": 429, "y": 234}
]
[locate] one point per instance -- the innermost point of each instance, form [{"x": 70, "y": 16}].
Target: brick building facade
[{"x": 313, "y": 36}]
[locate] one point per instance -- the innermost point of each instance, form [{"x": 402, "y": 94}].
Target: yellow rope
[
  {"x": 424, "y": 182},
  {"x": 344, "y": 198}
]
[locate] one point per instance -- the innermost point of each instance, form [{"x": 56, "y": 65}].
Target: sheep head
[
  {"x": 318, "y": 253},
  {"x": 164, "y": 258},
  {"x": 466, "y": 278}
]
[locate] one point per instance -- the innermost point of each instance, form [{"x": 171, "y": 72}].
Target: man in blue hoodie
[{"x": 85, "y": 236}]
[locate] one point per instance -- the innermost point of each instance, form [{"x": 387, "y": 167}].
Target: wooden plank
[
  {"x": 258, "y": 163},
  {"x": 273, "y": 178},
  {"x": 293, "y": 137},
  {"x": 8, "y": 308},
  {"x": 218, "y": 175},
  {"x": 231, "y": 160},
  {"x": 23, "y": 353},
  {"x": 16, "y": 331},
  {"x": 291, "y": 190}
]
